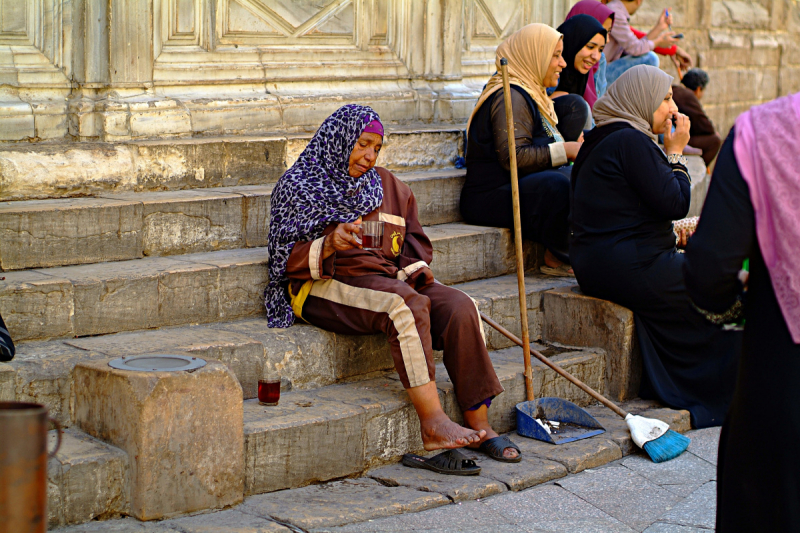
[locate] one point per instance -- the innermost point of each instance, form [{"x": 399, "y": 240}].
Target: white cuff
[
  {"x": 405, "y": 273},
  {"x": 558, "y": 154},
  {"x": 315, "y": 258}
]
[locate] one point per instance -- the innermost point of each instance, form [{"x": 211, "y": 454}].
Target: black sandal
[
  {"x": 495, "y": 447},
  {"x": 451, "y": 462}
]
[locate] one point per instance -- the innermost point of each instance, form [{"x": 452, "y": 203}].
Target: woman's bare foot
[
  {"x": 443, "y": 433},
  {"x": 479, "y": 420}
]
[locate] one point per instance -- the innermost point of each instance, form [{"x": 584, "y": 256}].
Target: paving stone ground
[{"x": 589, "y": 489}]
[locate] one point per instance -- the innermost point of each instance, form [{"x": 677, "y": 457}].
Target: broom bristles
[{"x": 668, "y": 446}]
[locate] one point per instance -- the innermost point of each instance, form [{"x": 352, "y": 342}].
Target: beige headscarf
[
  {"x": 633, "y": 98},
  {"x": 528, "y": 51}
]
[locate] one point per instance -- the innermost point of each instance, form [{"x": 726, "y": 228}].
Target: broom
[{"x": 654, "y": 436}]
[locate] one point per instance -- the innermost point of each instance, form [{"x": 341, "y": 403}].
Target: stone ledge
[
  {"x": 307, "y": 357},
  {"x": 125, "y": 226},
  {"x": 153, "y": 292},
  {"x": 574, "y": 319},
  {"x": 69, "y": 169}
]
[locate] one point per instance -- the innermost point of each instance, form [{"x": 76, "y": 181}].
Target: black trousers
[
  {"x": 544, "y": 209},
  {"x": 574, "y": 116}
]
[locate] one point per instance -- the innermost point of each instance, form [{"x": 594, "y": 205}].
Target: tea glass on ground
[
  {"x": 269, "y": 388},
  {"x": 371, "y": 234}
]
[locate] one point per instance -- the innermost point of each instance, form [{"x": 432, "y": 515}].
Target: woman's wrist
[{"x": 327, "y": 246}]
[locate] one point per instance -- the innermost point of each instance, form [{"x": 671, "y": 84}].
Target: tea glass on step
[
  {"x": 269, "y": 388},
  {"x": 371, "y": 235}
]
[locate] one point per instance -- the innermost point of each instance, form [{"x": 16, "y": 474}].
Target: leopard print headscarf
[{"x": 316, "y": 191}]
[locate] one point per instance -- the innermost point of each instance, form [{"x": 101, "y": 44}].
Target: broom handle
[
  {"x": 583, "y": 386},
  {"x": 523, "y": 301}
]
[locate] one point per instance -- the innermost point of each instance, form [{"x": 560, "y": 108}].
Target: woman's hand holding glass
[
  {"x": 676, "y": 141},
  {"x": 344, "y": 237}
]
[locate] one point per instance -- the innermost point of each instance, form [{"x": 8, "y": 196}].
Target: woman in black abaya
[
  {"x": 626, "y": 193},
  {"x": 753, "y": 211}
]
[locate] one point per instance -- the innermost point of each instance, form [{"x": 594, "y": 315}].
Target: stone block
[
  {"x": 530, "y": 471},
  {"x": 211, "y": 162},
  {"x": 43, "y": 374},
  {"x": 39, "y": 171},
  {"x": 157, "y": 121},
  {"x": 38, "y": 234},
  {"x": 457, "y": 488},
  {"x": 303, "y": 355},
  {"x": 283, "y": 444},
  {"x": 341, "y": 502},
  {"x": 576, "y": 456},
  {"x": 92, "y": 478},
  {"x": 438, "y": 195},
  {"x": 243, "y": 276},
  {"x": 421, "y": 149},
  {"x": 229, "y": 521},
  {"x": 256, "y": 207},
  {"x": 243, "y": 355},
  {"x": 114, "y": 297},
  {"x": 235, "y": 115},
  {"x": 391, "y": 426},
  {"x": 182, "y": 222},
  {"x": 7, "y": 379},
  {"x": 188, "y": 293},
  {"x": 575, "y": 319},
  {"x": 498, "y": 298},
  {"x": 182, "y": 432},
  {"x": 36, "y": 306}
]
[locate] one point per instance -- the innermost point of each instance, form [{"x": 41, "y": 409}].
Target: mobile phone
[
  {"x": 674, "y": 119},
  {"x": 678, "y": 36}
]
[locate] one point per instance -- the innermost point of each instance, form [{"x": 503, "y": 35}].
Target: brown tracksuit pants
[{"x": 434, "y": 317}]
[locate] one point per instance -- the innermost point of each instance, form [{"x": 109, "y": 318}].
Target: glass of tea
[
  {"x": 269, "y": 389},
  {"x": 371, "y": 234}
]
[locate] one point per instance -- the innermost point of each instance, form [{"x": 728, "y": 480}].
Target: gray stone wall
[
  {"x": 748, "y": 47},
  {"x": 86, "y": 70}
]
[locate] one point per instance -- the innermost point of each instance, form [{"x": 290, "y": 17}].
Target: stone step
[
  {"x": 343, "y": 429},
  {"x": 119, "y": 227},
  {"x": 68, "y": 169},
  {"x": 100, "y": 298},
  {"x": 311, "y": 436},
  {"x": 306, "y": 357}
]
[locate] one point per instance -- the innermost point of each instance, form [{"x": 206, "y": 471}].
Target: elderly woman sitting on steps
[{"x": 320, "y": 273}]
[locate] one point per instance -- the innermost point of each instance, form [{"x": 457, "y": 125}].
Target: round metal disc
[{"x": 158, "y": 363}]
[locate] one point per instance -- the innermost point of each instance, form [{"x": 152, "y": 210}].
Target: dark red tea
[
  {"x": 269, "y": 391},
  {"x": 371, "y": 242}
]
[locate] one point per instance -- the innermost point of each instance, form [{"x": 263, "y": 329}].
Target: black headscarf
[{"x": 577, "y": 31}]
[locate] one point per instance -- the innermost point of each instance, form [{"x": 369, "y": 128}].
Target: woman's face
[
  {"x": 589, "y": 55},
  {"x": 662, "y": 116},
  {"x": 608, "y": 23},
  {"x": 557, "y": 64},
  {"x": 364, "y": 154}
]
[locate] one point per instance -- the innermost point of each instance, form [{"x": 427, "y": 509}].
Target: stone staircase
[{"x": 122, "y": 249}]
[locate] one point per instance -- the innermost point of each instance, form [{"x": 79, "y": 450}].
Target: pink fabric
[
  {"x": 601, "y": 12},
  {"x": 766, "y": 149},
  {"x": 374, "y": 127}
]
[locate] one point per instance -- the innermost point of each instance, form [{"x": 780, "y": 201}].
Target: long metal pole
[{"x": 523, "y": 300}]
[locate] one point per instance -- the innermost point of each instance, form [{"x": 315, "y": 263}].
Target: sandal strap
[
  {"x": 498, "y": 445},
  {"x": 451, "y": 460}
]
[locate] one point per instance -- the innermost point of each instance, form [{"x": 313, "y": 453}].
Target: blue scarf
[{"x": 315, "y": 192}]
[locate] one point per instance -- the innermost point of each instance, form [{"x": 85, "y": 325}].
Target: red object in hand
[{"x": 269, "y": 391}]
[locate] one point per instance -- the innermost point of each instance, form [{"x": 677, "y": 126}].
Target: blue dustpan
[{"x": 574, "y": 422}]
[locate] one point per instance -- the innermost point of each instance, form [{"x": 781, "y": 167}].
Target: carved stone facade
[{"x": 138, "y": 69}]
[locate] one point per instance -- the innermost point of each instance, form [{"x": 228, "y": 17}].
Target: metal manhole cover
[{"x": 158, "y": 363}]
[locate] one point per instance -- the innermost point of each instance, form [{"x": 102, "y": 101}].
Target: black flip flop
[
  {"x": 495, "y": 447},
  {"x": 451, "y": 462}
]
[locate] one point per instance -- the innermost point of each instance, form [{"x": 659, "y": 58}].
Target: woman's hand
[
  {"x": 344, "y": 237},
  {"x": 684, "y": 58},
  {"x": 665, "y": 39},
  {"x": 683, "y": 238},
  {"x": 572, "y": 149},
  {"x": 674, "y": 143}
]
